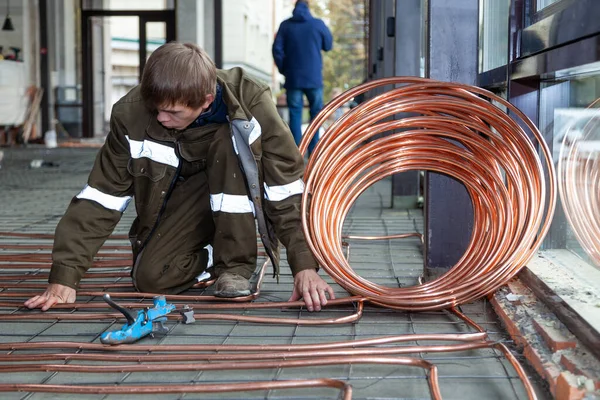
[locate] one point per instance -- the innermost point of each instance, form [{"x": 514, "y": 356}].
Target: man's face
[{"x": 179, "y": 116}]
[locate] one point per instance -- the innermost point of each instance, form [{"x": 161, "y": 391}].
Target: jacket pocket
[
  {"x": 195, "y": 150},
  {"x": 147, "y": 189},
  {"x": 146, "y": 168}
]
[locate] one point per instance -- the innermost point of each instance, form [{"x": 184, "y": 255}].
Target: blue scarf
[{"x": 216, "y": 113}]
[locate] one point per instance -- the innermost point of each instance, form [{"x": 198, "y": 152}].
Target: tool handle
[{"x": 125, "y": 311}]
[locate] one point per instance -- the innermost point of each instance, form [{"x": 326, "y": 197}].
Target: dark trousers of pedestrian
[{"x": 295, "y": 104}]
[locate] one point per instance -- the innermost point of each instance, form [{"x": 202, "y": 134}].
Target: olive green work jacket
[{"x": 141, "y": 159}]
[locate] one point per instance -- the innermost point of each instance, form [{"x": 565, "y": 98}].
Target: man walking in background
[{"x": 297, "y": 53}]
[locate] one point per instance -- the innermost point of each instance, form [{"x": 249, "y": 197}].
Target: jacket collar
[{"x": 234, "y": 109}]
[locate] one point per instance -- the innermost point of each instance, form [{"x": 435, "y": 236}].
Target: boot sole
[{"x": 237, "y": 293}]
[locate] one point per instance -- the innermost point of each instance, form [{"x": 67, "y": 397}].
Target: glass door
[{"x": 116, "y": 47}]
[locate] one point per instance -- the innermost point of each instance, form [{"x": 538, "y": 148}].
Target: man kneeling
[{"x": 207, "y": 158}]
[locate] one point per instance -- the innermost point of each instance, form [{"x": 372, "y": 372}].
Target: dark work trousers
[{"x": 208, "y": 206}]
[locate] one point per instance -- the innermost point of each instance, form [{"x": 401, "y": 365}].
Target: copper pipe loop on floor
[
  {"x": 388, "y": 237},
  {"x": 31, "y": 235},
  {"x": 239, "y": 357},
  {"x": 42, "y": 264},
  {"x": 222, "y": 348},
  {"x": 346, "y": 389},
  {"x": 323, "y": 361},
  {"x": 311, "y": 356},
  {"x": 248, "y": 356},
  {"x": 80, "y": 316},
  {"x": 218, "y": 306},
  {"x": 41, "y": 257},
  {"x": 579, "y": 180},
  {"x": 457, "y": 132}
]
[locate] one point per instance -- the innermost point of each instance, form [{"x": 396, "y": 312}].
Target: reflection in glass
[
  {"x": 579, "y": 175},
  {"x": 570, "y": 120},
  {"x": 493, "y": 34},
  {"x": 544, "y": 3}
]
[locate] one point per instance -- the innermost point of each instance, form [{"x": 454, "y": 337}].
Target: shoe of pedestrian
[{"x": 232, "y": 285}]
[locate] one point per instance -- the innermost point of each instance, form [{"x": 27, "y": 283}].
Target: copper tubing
[
  {"x": 43, "y": 286},
  {"x": 53, "y": 316},
  {"x": 49, "y": 247},
  {"x": 413, "y": 362},
  {"x": 468, "y": 320},
  {"x": 104, "y": 286},
  {"x": 47, "y": 264},
  {"x": 346, "y": 245},
  {"x": 473, "y": 341},
  {"x": 169, "y": 297},
  {"x": 30, "y": 235},
  {"x": 25, "y": 257},
  {"x": 221, "y": 306},
  {"x": 346, "y": 389},
  {"x": 579, "y": 182},
  {"x": 102, "y": 316},
  {"x": 178, "y": 357},
  {"x": 519, "y": 368},
  {"x": 458, "y": 337},
  {"x": 89, "y": 275},
  {"x": 321, "y": 361},
  {"x": 457, "y": 132},
  {"x": 388, "y": 237}
]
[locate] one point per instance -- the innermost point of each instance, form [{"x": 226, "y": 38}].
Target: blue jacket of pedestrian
[{"x": 297, "y": 49}]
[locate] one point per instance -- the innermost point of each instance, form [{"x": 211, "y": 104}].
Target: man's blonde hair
[{"x": 178, "y": 73}]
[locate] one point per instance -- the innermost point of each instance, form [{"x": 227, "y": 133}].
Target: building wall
[
  {"x": 248, "y": 32},
  {"x": 23, "y": 15},
  {"x": 283, "y": 11},
  {"x": 14, "y": 38},
  {"x": 23, "y": 73}
]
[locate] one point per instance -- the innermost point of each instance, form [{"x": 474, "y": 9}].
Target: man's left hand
[{"x": 310, "y": 287}]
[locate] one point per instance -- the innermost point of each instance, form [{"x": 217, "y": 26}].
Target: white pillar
[{"x": 195, "y": 23}]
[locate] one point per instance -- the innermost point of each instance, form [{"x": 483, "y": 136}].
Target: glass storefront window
[
  {"x": 493, "y": 34},
  {"x": 570, "y": 120}
]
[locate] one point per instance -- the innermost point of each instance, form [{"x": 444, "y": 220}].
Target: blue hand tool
[{"x": 143, "y": 323}]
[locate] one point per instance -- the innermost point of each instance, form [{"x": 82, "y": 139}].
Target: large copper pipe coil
[
  {"x": 579, "y": 181},
  {"x": 452, "y": 129}
]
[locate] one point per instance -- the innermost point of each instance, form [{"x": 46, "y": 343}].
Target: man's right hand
[{"x": 54, "y": 294}]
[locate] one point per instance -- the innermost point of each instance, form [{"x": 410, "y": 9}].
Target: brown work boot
[{"x": 232, "y": 285}]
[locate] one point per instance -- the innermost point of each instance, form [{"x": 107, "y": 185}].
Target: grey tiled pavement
[{"x": 32, "y": 200}]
